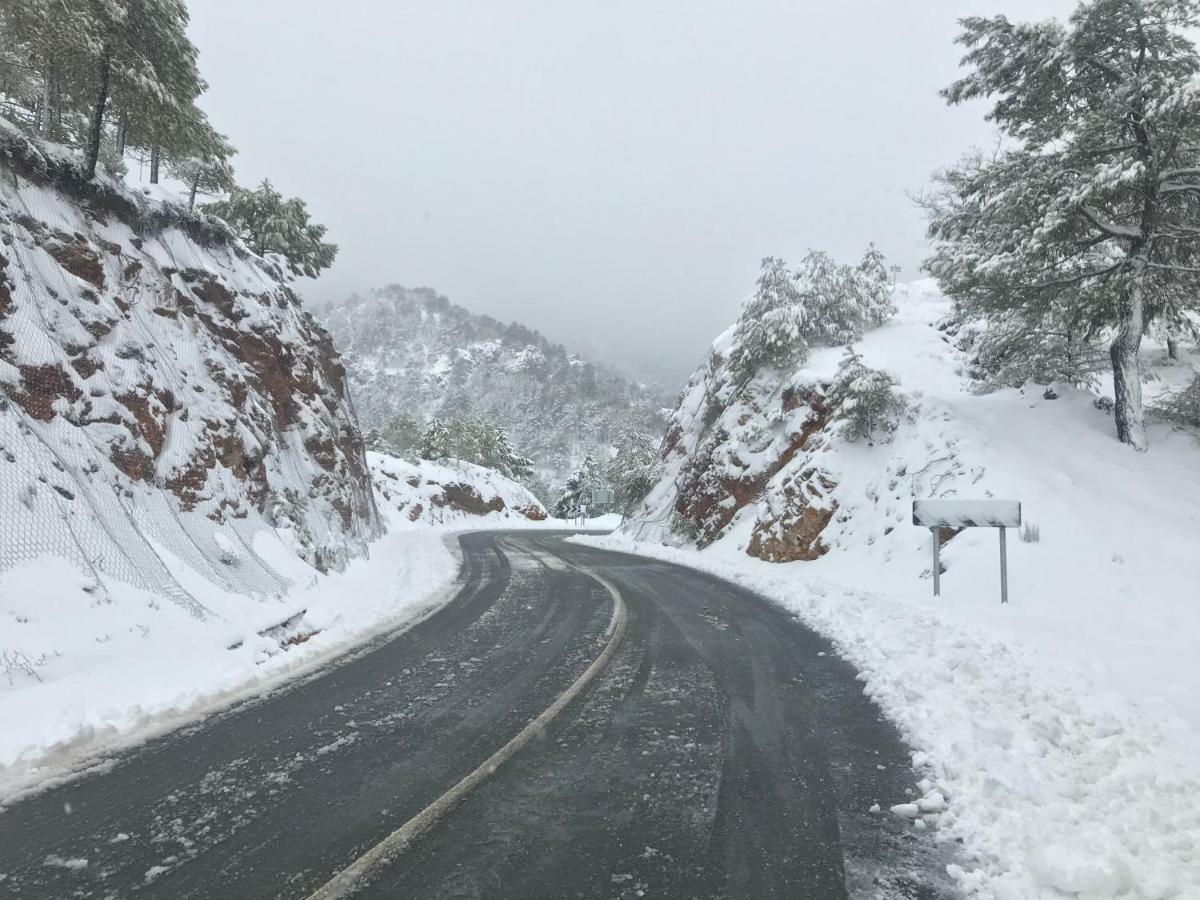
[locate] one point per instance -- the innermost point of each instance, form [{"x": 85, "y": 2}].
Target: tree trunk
[
  {"x": 96, "y": 127},
  {"x": 192, "y": 194},
  {"x": 1127, "y": 379},
  {"x": 1172, "y": 347},
  {"x": 47, "y": 102},
  {"x": 154, "y": 159},
  {"x": 122, "y": 136}
]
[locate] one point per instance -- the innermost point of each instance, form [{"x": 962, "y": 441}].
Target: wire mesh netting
[{"x": 134, "y": 439}]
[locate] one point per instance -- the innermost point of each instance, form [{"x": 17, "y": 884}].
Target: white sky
[{"x": 610, "y": 173}]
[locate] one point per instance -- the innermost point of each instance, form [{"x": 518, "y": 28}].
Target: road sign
[
  {"x": 602, "y": 497},
  {"x": 938, "y": 514}
]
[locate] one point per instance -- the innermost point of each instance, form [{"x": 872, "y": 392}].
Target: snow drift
[
  {"x": 164, "y": 395},
  {"x": 1060, "y": 732}
]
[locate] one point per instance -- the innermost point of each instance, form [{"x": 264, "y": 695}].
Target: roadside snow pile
[
  {"x": 97, "y": 675},
  {"x": 417, "y": 493},
  {"x": 1062, "y": 730}
]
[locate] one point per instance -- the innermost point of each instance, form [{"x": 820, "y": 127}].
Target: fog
[{"x": 609, "y": 173}]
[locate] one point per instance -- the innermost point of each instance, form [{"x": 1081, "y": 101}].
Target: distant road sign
[
  {"x": 602, "y": 497},
  {"x": 967, "y": 513}
]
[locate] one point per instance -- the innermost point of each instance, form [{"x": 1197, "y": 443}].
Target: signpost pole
[
  {"x": 937, "y": 561},
  {"x": 1003, "y": 565}
]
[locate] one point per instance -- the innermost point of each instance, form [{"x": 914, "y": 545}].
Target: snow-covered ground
[
  {"x": 1063, "y": 729},
  {"x": 89, "y": 676}
]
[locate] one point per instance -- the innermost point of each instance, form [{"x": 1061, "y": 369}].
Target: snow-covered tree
[
  {"x": 1015, "y": 349},
  {"x": 269, "y": 223},
  {"x": 635, "y": 469},
  {"x": 1094, "y": 203},
  {"x": 822, "y": 303},
  {"x": 435, "y": 443},
  {"x": 579, "y": 486},
  {"x": 97, "y": 63},
  {"x": 772, "y": 327},
  {"x": 399, "y": 437},
  {"x": 863, "y": 399},
  {"x": 1183, "y": 406}
]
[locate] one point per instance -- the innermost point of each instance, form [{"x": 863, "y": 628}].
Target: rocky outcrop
[
  {"x": 145, "y": 354},
  {"x": 435, "y": 493},
  {"x": 744, "y": 453}
]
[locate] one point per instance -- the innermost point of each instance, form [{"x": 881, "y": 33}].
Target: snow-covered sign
[
  {"x": 938, "y": 514},
  {"x": 967, "y": 513}
]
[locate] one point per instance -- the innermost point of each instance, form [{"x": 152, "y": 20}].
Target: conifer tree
[
  {"x": 1094, "y": 208},
  {"x": 268, "y": 223}
]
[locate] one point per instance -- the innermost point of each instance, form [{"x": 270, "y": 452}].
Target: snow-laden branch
[{"x": 1112, "y": 229}]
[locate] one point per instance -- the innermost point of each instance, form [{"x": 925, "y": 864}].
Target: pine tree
[
  {"x": 1096, "y": 206},
  {"x": 270, "y": 224},
  {"x": 772, "y": 327},
  {"x": 435, "y": 443},
  {"x": 579, "y": 486},
  {"x": 635, "y": 468},
  {"x": 862, "y": 398},
  {"x": 822, "y": 303}
]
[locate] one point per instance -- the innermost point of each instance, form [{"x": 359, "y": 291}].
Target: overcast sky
[{"x": 608, "y": 172}]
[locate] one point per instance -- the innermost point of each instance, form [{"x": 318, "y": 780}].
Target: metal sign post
[{"x": 938, "y": 514}]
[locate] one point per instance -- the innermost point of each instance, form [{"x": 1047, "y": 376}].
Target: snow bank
[
  {"x": 1064, "y": 728},
  {"x": 105, "y": 674}
]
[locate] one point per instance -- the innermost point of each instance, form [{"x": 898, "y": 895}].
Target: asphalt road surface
[{"x": 719, "y": 750}]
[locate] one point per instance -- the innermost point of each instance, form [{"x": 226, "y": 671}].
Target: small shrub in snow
[
  {"x": 863, "y": 399},
  {"x": 1031, "y": 533},
  {"x": 1182, "y": 407},
  {"x": 18, "y": 662}
]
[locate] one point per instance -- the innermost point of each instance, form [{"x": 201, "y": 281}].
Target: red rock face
[
  {"x": 751, "y": 448},
  {"x": 210, "y": 381}
]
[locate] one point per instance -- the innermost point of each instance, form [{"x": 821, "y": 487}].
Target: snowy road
[{"x": 723, "y": 751}]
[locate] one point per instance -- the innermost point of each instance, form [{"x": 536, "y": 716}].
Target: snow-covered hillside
[
  {"x": 1062, "y": 730},
  {"x": 421, "y": 492},
  {"x": 412, "y": 352}
]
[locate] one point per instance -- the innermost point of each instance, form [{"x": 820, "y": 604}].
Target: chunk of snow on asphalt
[{"x": 74, "y": 863}]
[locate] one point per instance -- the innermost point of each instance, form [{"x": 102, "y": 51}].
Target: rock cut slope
[{"x": 165, "y": 397}]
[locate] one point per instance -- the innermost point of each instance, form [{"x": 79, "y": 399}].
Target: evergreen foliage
[
  {"x": 79, "y": 69},
  {"x": 1088, "y": 223},
  {"x": 863, "y": 399},
  {"x": 579, "y": 486},
  {"x": 634, "y": 469},
  {"x": 822, "y": 303},
  {"x": 269, "y": 223},
  {"x": 1183, "y": 406},
  {"x": 471, "y": 440},
  {"x": 401, "y": 436}
]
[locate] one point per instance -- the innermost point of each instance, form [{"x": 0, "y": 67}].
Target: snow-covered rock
[{"x": 415, "y": 493}]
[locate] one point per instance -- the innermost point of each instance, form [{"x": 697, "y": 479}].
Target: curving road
[{"x": 722, "y": 750}]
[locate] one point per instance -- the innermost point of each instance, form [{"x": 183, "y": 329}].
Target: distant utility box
[
  {"x": 938, "y": 514},
  {"x": 967, "y": 513}
]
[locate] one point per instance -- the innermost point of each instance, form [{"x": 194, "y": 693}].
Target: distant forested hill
[{"x": 411, "y": 352}]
